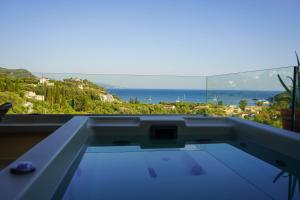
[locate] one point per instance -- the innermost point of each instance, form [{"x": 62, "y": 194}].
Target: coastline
[{"x": 228, "y": 97}]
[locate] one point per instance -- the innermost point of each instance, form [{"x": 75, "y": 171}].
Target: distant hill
[
  {"x": 16, "y": 73},
  {"x": 108, "y": 86}
]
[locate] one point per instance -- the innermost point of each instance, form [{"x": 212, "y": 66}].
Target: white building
[
  {"x": 107, "y": 97},
  {"x": 30, "y": 94},
  {"x": 33, "y": 95},
  {"x": 39, "y": 97},
  {"x": 43, "y": 80},
  {"x": 50, "y": 84}
]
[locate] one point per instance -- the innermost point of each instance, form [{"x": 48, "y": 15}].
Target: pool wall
[{"x": 54, "y": 156}]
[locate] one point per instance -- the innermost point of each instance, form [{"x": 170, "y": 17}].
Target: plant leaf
[
  {"x": 298, "y": 180},
  {"x": 297, "y": 59},
  {"x": 290, "y": 196},
  {"x": 278, "y": 176},
  {"x": 290, "y": 78},
  {"x": 294, "y": 183},
  {"x": 283, "y": 84}
]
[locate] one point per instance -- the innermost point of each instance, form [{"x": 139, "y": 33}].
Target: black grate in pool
[
  {"x": 161, "y": 132},
  {"x": 204, "y": 140},
  {"x": 121, "y": 142}
]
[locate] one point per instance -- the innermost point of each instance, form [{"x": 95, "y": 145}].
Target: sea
[{"x": 228, "y": 97}]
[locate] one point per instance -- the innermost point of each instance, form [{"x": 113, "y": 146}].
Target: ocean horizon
[{"x": 228, "y": 97}]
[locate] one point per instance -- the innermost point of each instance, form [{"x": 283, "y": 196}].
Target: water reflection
[
  {"x": 293, "y": 181},
  {"x": 131, "y": 172}
]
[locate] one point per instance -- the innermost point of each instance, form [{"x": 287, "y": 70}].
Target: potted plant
[{"x": 286, "y": 114}]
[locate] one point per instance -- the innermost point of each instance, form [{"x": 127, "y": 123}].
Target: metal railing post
[{"x": 295, "y": 80}]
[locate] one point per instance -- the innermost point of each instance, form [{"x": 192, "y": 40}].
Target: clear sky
[{"x": 149, "y": 36}]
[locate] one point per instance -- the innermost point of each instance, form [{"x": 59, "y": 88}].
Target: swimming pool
[{"x": 160, "y": 157}]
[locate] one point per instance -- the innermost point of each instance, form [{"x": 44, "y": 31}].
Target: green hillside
[
  {"x": 16, "y": 73},
  {"x": 30, "y": 94}
]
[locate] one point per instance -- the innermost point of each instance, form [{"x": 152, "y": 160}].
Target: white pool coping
[{"x": 55, "y": 154}]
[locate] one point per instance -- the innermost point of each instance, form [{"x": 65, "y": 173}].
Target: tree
[
  {"x": 134, "y": 100},
  {"x": 259, "y": 103},
  {"x": 243, "y": 104}
]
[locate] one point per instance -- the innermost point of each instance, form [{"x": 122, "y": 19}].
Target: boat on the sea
[
  {"x": 149, "y": 99},
  {"x": 215, "y": 98}
]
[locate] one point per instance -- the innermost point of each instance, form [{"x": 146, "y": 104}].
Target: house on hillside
[
  {"x": 106, "y": 97},
  {"x": 43, "y": 80},
  {"x": 170, "y": 107},
  {"x": 46, "y": 81},
  {"x": 33, "y": 95}
]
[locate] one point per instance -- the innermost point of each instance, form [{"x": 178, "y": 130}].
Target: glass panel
[
  {"x": 259, "y": 95},
  {"x": 123, "y": 94},
  {"x": 256, "y": 95}
]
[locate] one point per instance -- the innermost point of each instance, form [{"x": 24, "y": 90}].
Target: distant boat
[
  {"x": 149, "y": 99},
  {"x": 177, "y": 100},
  {"x": 255, "y": 99},
  {"x": 215, "y": 98}
]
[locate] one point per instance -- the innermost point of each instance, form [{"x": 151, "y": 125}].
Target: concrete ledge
[
  {"x": 52, "y": 158},
  {"x": 279, "y": 140}
]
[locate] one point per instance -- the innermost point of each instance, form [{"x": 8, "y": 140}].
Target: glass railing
[
  {"x": 121, "y": 94},
  {"x": 257, "y": 95}
]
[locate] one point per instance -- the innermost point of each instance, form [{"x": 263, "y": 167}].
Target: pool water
[{"x": 197, "y": 171}]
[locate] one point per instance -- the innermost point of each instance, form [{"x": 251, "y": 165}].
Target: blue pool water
[
  {"x": 197, "y": 171},
  {"x": 231, "y": 97}
]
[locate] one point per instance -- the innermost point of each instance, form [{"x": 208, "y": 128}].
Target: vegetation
[
  {"x": 29, "y": 94},
  {"x": 289, "y": 89},
  {"x": 16, "y": 73},
  {"x": 243, "y": 104}
]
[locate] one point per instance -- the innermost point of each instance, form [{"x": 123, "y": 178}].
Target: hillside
[
  {"x": 30, "y": 94},
  {"x": 16, "y": 73}
]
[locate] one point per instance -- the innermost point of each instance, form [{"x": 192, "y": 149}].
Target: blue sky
[{"x": 149, "y": 36}]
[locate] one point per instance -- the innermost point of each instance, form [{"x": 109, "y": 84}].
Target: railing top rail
[
  {"x": 251, "y": 71},
  {"x": 165, "y": 75}
]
